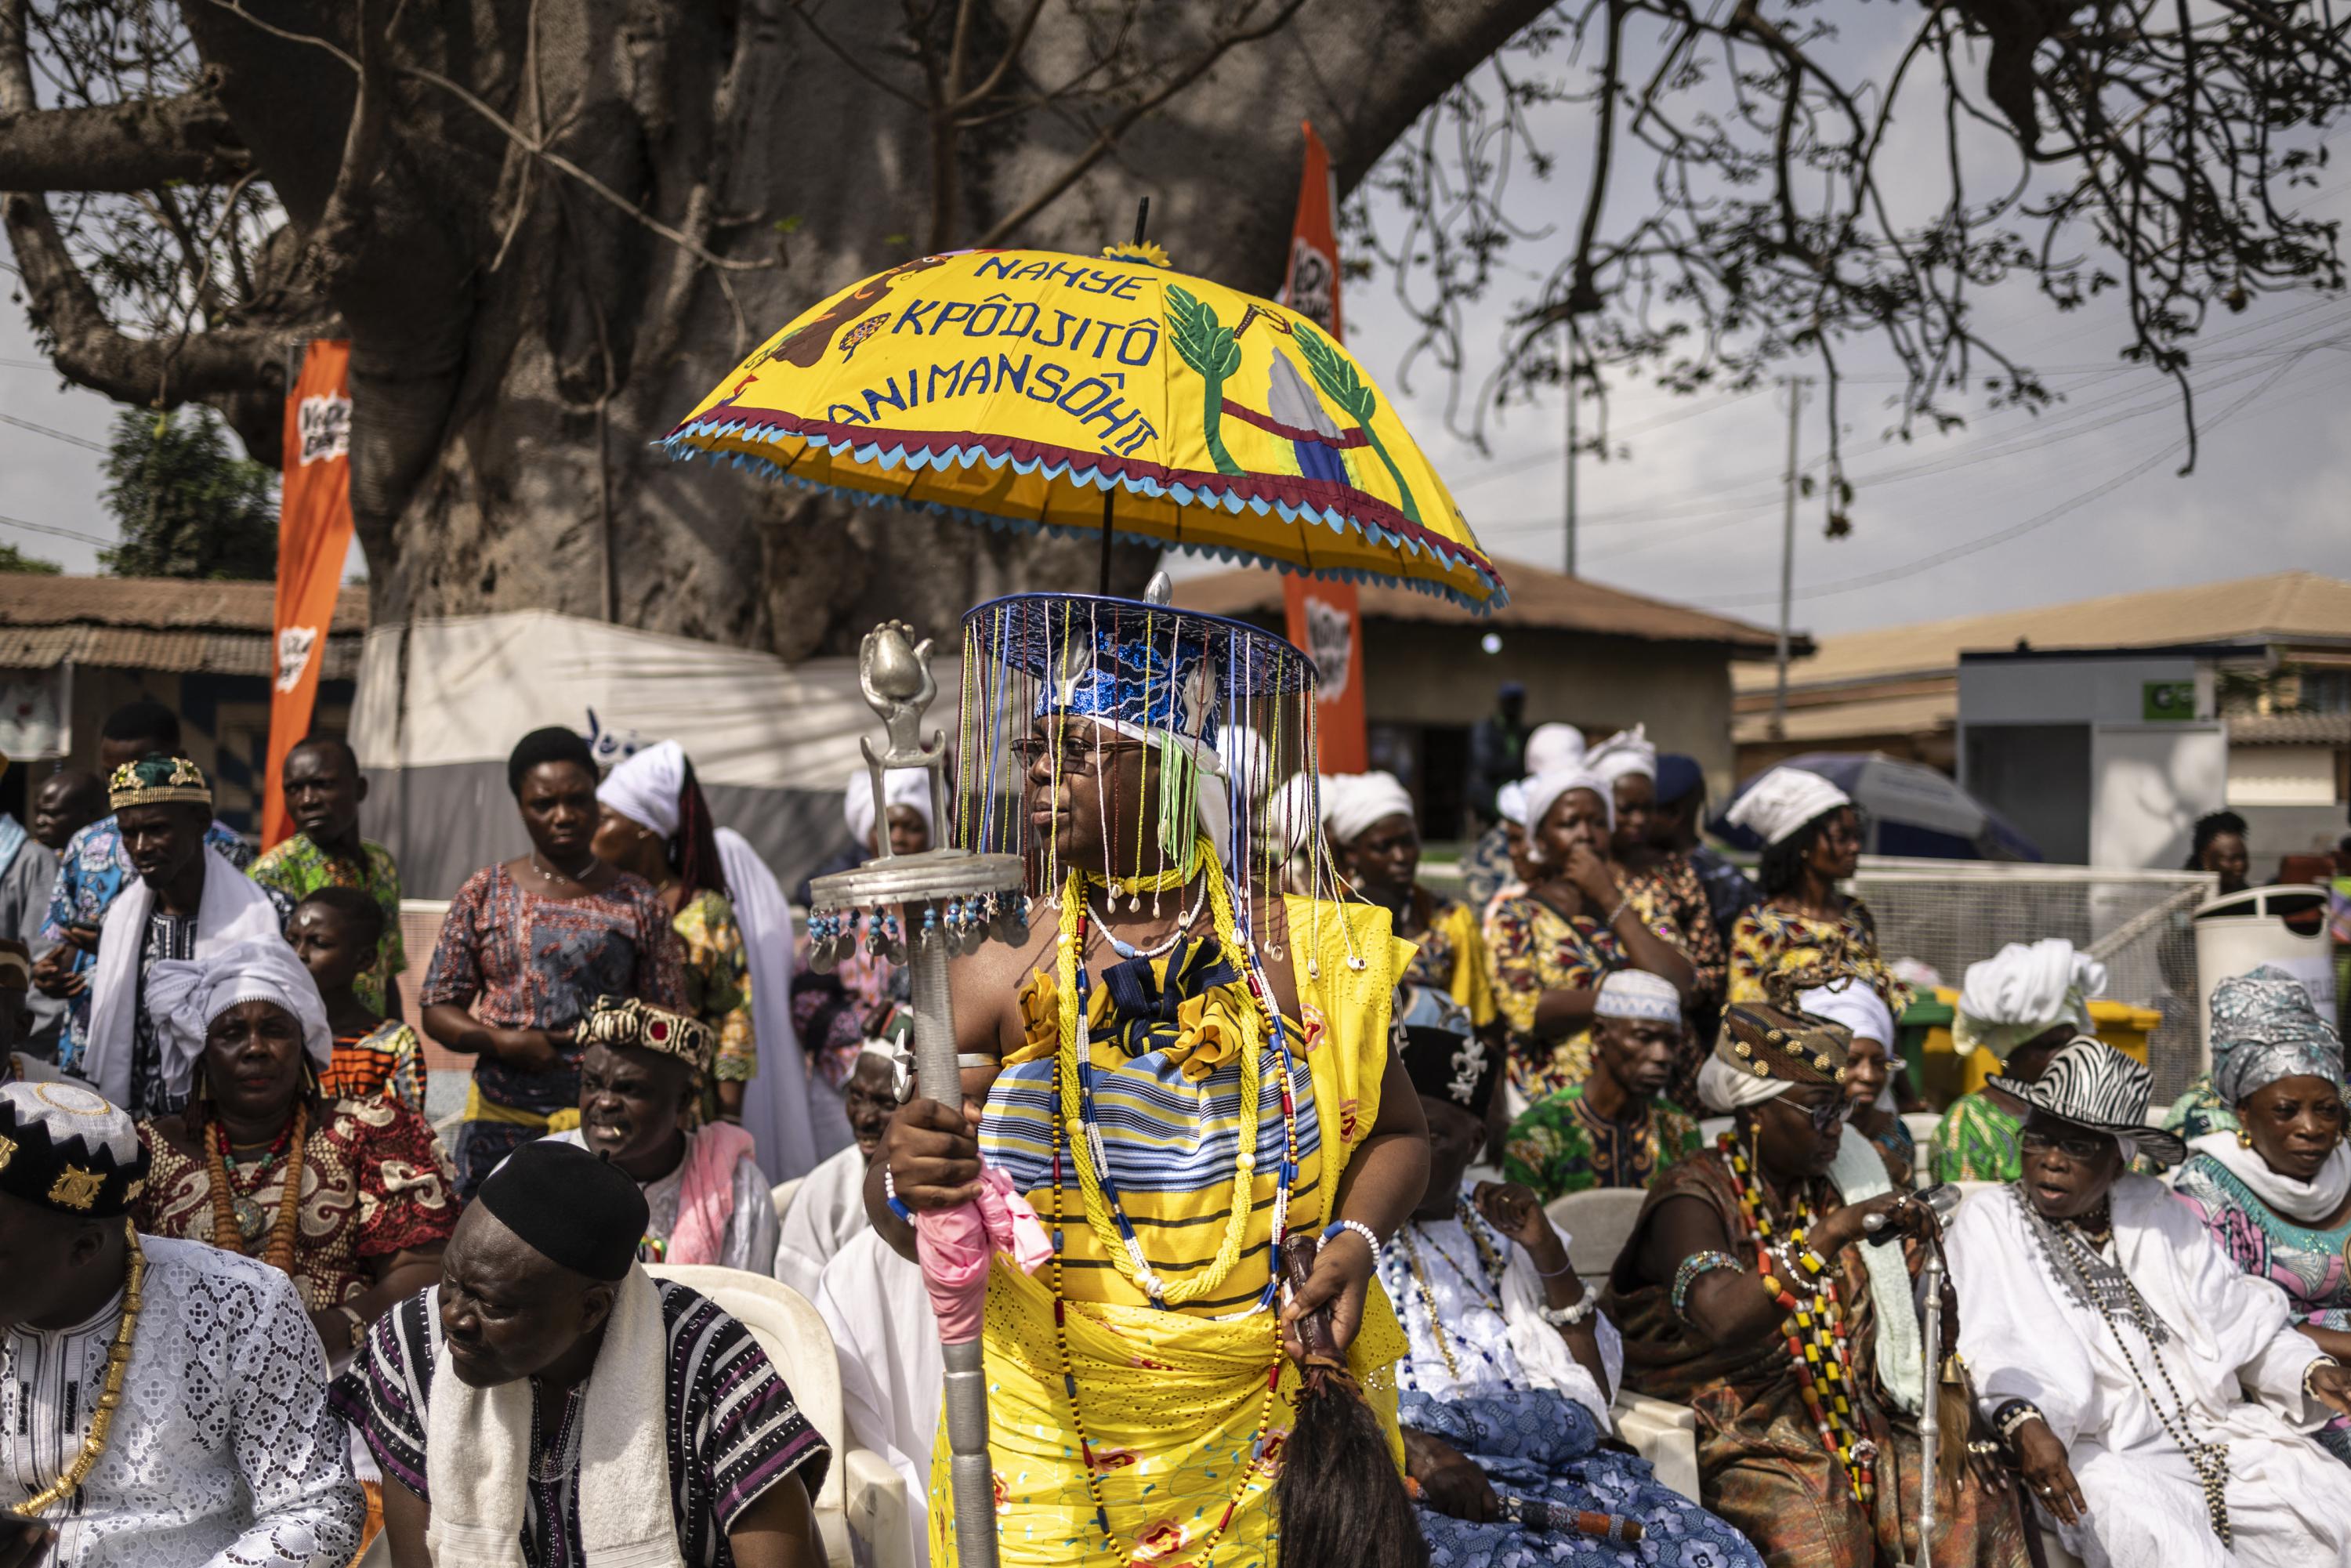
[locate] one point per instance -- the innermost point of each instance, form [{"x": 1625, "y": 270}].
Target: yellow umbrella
[{"x": 1036, "y": 390}]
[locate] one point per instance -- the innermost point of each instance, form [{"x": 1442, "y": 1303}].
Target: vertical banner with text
[
  {"x": 1324, "y": 617},
  {"x": 314, "y": 534}
]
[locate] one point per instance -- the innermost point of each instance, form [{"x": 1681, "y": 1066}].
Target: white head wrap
[
  {"x": 1637, "y": 994},
  {"x": 645, "y": 787},
  {"x": 1553, "y": 746},
  {"x": 2024, "y": 990},
  {"x": 1856, "y": 1005},
  {"x": 1510, "y": 802},
  {"x": 1723, "y": 1088},
  {"x": 1545, "y": 789},
  {"x": 1783, "y": 800},
  {"x": 185, "y": 995},
  {"x": 901, "y": 786},
  {"x": 1624, "y": 754},
  {"x": 1351, "y": 802}
]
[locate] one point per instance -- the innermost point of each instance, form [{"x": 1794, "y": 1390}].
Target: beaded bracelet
[
  {"x": 2313, "y": 1370},
  {"x": 890, "y": 1191},
  {"x": 1568, "y": 1317},
  {"x": 2010, "y": 1418},
  {"x": 1371, "y": 1237},
  {"x": 1694, "y": 1265}
]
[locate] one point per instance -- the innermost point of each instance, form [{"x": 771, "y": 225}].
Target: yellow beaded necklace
[{"x": 102, "y": 1420}]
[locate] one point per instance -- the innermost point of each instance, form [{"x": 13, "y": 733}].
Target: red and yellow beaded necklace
[{"x": 1814, "y": 1329}]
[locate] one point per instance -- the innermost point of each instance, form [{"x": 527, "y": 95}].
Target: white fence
[{"x": 1948, "y": 913}]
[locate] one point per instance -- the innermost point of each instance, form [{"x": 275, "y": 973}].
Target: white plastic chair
[
  {"x": 862, "y": 1495},
  {"x": 1597, "y": 1224},
  {"x": 781, "y": 1195},
  {"x": 1713, "y": 1127}
]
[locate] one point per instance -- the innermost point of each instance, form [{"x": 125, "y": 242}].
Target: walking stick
[
  {"x": 921, "y": 910},
  {"x": 1931, "y": 1275}
]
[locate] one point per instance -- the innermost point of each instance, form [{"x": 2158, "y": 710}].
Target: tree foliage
[
  {"x": 187, "y": 506},
  {"x": 13, "y": 560}
]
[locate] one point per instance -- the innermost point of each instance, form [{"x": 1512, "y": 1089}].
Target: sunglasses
[
  {"x": 1823, "y": 1114},
  {"x": 2083, "y": 1147},
  {"x": 1074, "y": 755}
]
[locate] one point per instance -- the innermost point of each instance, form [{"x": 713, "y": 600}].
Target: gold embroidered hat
[
  {"x": 626, "y": 1022},
  {"x": 66, "y": 1147},
  {"x": 1776, "y": 1039},
  {"x": 158, "y": 778}
]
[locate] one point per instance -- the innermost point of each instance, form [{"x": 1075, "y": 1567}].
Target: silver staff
[
  {"x": 921, "y": 910},
  {"x": 1943, "y": 1201}
]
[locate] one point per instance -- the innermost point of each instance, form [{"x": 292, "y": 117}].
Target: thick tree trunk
[{"x": 519, "y": 340}]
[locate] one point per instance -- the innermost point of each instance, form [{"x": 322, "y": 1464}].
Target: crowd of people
[{"x": 257, "y": 1310}]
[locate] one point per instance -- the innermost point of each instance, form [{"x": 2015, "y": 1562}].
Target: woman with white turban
[
  {"x": 1552, "y": 944},
  {"x": 1492, "y": 868},
  {"x": 1374, "y": 839},
  {"x": 736, "y": 935},
  {"x": 1812, "y": 841},
  {"x": 351, "y": 1198},
  {"x": 1868, "y": 1068},
  {"x": 1666, "y": 893},
  {"x": 2022, "y": 1005},
  {"x": 1746, "y": 1292}
]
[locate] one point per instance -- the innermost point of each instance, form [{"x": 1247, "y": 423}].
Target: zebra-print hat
[{"x": 2093, "y": 1085}]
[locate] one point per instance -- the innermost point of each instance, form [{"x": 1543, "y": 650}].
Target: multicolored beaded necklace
[
  {"x": 1117, "y": 1232},
  {"x": 1813, "y": 1330}
]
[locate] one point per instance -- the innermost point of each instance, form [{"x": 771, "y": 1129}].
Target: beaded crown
[
  {"x": 626, "y": 1022},
  {"x": 157, "y": 779}
]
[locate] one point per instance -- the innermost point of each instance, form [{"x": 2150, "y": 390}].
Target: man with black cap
[
  {"x": 548, "y": 1391},
  {"x": 167, "y": 1399}
]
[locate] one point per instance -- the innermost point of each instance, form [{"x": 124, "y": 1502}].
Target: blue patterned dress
[{"x": 1468, "y": 1389}]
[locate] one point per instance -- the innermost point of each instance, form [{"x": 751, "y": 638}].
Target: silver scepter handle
[
  {"x": 1930, "y": 1274},
  {"x": 922, "y": 910}
]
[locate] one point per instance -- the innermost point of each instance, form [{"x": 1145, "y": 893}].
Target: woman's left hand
[
  {"x": 1343, "y": 1272},
  {"x": 1510, "y": 1207},
  {"x": 2332, "y": 1386}
]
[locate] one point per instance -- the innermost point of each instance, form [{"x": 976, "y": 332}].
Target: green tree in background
[
  {"x": 14, "y": 560},
  {"x": 188, "y": 505}
]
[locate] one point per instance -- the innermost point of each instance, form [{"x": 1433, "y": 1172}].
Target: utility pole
[
  {"x": 1567, "y": 379},
  {"x": 1795, "y": 386}
]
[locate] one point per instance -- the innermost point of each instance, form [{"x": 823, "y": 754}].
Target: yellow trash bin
[{"x": 2119, "y": 1024}]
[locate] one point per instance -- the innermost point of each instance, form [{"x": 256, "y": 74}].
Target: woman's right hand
[
  {"x": 1594, "y": 878},
  {"x": 530, "y": 1050},
  {"x": 931, "y": 1156},
  {"x": 2043, "y": 1459}
]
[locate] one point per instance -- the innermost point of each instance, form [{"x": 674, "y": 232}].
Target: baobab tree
[{"x": 548, "y": 226}]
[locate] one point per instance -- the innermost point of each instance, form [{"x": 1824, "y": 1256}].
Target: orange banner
[
  {"x": 1324, "y": 617},
  {"x": 314, "y": 534}
]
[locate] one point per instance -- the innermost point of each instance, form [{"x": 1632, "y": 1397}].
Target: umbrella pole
[{"x": 1142, "y": 220}]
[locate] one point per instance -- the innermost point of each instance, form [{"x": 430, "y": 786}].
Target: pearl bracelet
[
  {"x": 2313, "y": 1370},
  {"x": 1371, "y": 1238},
  {"x": 1568, "y": 1317},
  {"x": 890, "y": 1191}
]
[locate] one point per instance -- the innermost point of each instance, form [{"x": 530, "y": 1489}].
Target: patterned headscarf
[
  {"x": 158, "y": 778},
  {"x": 2264, "y": 1027}
]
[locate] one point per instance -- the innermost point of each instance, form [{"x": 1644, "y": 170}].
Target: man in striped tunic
[{"x": 550, "y": 1389}]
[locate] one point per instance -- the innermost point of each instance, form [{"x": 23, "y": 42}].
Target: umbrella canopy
[
  {"x": 1024, "y": 389},
  {"x": 1910, "y": 809}
]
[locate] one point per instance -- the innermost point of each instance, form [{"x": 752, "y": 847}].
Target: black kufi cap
[
  {"x": 66, "y": 1147},
  {"x": 570, "y": 1206}
]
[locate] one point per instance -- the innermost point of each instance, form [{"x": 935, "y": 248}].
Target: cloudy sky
[{"x": 1692, "y": 512}]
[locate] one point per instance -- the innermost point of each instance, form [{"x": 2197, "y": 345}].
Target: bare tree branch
[{"x": 120, "y": 147}]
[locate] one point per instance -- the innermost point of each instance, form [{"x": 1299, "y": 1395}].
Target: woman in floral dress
[
  {"x": 1553, "y": 943},
  {"x": 1812, "y": 841}
]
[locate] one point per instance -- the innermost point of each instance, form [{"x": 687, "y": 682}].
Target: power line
[
  {"x": 64, "y": 436},
  {"x": 61, "y": 533},
  {"x": 2018, "y": 531}
]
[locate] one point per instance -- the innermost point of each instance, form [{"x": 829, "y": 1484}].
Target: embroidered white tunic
[
  {"x": 223, "y": 1454},
  {"x": 2025, "y": 1336}
]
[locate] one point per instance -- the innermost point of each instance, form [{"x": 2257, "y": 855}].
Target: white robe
[
  {"x": 891, "y": 1370},
  {"x": 2025, "y": 1337},
  {"x": 828, "y": 1209}
]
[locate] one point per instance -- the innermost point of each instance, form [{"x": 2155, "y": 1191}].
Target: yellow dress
[{"x": 1171, "y": 1401}]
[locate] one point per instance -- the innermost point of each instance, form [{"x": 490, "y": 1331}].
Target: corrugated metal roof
[
  {"x": 1539, "y": 598},
  {"x": 159, "y": 624},
  {"x": 2290, "y": 729},
  {"x": 1841, "y": 721},
  {"x": 2283, "y": 606}
]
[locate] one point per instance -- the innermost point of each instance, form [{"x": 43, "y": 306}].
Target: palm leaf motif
[
  {"x": 1342, "y": 384},
  {"x": 1212, "y": 353}
]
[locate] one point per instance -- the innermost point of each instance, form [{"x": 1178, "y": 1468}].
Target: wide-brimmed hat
[{"x": 2093, "y": 1085}]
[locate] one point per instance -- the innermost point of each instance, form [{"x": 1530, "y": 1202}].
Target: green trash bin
[{"x": 1922, "y": 1018}]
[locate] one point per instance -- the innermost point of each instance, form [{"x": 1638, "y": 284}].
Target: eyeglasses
[
  {"x": 1826, "y": 1113},
  {"x": 2083, "y": 1146},
  {"x": 1072, "y": 755}
]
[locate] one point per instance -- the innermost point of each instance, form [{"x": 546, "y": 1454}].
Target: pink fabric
[
  {"x": 705, "y": 1196},
  {"x": 956, "y": 1244}
]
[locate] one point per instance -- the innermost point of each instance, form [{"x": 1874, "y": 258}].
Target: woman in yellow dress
[{"x": 1189, "y": 1065}]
